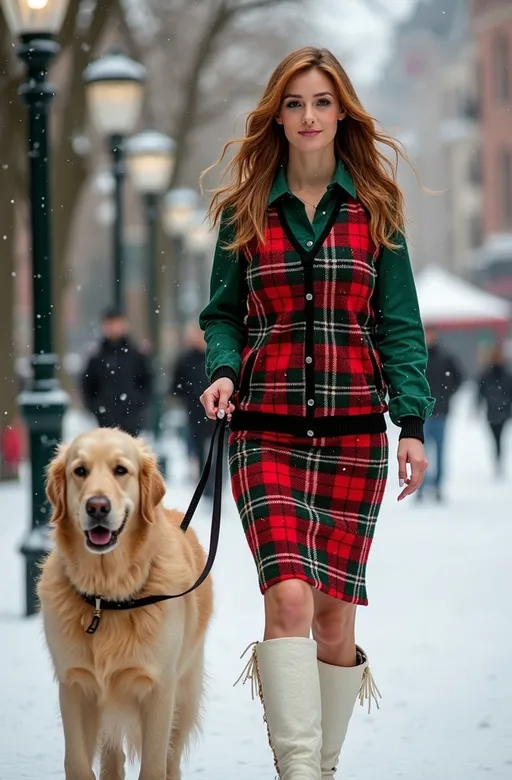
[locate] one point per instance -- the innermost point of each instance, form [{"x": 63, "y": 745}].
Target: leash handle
[{"x": 220, "y": 425}]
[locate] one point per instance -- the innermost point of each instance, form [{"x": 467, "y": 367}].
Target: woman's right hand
[{"x": 216, "y": 398}]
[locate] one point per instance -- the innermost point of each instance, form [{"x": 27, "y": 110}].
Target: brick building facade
[
  {"x": 492, "y": 29},
  {"x": 491, "y": 22}
]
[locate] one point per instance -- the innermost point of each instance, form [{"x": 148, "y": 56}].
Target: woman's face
[{"x": 310, "y": 111}]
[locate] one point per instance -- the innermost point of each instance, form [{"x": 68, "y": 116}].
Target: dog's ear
[
  {"x": 56, "y": 486},
  {"x": 152, "y": 486}
]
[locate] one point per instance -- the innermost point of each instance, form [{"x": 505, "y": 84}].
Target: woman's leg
[
  {"x": 288, "y": 609},
  {"x": 334, "y": 624},
  {"x": 343, "y": 674},
  {"x": 287, "y": 671}
]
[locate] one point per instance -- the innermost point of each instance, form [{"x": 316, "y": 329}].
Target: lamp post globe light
[
  {"x": 43, "y": 403},
  {"x": 114, "y": 89},
  {"x": 178, "y": 213},
  {"x": 150, "y": 162}
]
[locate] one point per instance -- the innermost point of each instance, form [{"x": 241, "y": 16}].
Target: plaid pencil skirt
[{"x": 308, "y": 511}]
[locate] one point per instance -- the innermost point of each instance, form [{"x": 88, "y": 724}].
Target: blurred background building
[
  {"x": 446, "y": 94},
  {"x": 491, "y": 24}
]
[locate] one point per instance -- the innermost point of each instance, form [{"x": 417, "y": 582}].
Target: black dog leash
[{"x": 100, "y": 603}]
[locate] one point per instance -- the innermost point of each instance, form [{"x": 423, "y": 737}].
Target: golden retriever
[{"x": 138, "y": 679}]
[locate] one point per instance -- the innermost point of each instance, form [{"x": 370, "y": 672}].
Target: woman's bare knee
[
  {"x": 334, "y": 632},
  {"x": 288, "y": 609}
]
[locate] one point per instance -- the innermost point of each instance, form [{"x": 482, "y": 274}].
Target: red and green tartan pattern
[
  {"x": 346, "y": 371},
  {"x": 309, "y": 509}
]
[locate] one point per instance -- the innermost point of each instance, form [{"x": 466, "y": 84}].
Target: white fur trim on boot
[
  {"x": 340, "y": 687},
  {"x": 284, "y": 672}
]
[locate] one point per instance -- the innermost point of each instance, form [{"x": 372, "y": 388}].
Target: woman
[
  {"x": 313, "y": 314},
  {"x": 495, "y": 391}
]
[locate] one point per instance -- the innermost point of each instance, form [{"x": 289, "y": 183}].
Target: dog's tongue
[{"x": 100, "y": 535}]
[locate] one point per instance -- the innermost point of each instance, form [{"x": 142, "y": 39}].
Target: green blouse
[{"x": 399, "y": 332}]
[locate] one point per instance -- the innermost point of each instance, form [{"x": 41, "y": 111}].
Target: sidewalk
[{"x": 437, "y": 632}]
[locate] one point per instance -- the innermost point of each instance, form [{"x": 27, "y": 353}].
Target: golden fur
[{"x": 139, "y": 678}]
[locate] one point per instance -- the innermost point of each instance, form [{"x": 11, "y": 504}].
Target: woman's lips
[{"x": 309, "y": 133}]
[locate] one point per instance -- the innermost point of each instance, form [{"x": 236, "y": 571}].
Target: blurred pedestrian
[
  {"x": 117, "y": 382},
  {"x": 444, "y": 376},
  {"x": 495, "y": 391},
  {"x": 187, "y": 385},
  {"x": 313, "y": 315}
]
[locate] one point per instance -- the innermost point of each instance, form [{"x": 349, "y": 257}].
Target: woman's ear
[
  {"x": 279, "y": 120},
  {"x": 56, "y": 486},
  {"x": 152, "y": 487}
]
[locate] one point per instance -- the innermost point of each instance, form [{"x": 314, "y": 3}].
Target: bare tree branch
[
  {"x": 202, "y": 55},
  {"x": 133, "y": 46},
  {"x": 68, "y": 28},
  {"x": 256, "y": 5}
]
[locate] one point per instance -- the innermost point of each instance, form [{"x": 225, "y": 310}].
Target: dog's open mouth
[{"x": 101, "y": 538}]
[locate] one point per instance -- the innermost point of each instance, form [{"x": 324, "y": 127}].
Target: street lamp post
[
  {"x": 198, "y": 241},
  {"x": 178, "y": 215},
  {"x": 114, "y": 85},
  {"x": 44, "y": 403},
  {"x": 150, "y": 161}
]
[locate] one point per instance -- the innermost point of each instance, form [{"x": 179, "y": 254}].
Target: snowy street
[{"x": 437, "y": 632}]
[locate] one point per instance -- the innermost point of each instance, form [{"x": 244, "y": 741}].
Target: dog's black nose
[{"x": 98, "y": 507}]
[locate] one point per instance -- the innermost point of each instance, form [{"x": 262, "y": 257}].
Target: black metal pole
[
  {"x": 44, "y": 403},
  {"x": 151, "y": 204},
  {"x": 116, "y": 151},
  {"x": 201, "y": 281},
  {"x": 177, "y": 291}
]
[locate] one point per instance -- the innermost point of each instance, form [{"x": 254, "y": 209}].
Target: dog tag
[{"x": 96, "y": 618}]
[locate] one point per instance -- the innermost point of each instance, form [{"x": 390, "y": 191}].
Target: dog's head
[{"x": 101, "y": 485}]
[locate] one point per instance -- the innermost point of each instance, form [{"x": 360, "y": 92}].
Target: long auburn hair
[{"x": 264, "y": 148}]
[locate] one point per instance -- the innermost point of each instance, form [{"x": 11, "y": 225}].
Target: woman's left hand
[{"x": 412, "y": 452}]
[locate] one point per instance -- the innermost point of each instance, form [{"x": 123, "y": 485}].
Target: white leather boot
[
  {"x": 340, "y": 687},
  {"x": 284, "y": 673}
]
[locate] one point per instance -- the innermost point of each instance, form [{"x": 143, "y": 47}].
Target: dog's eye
[
  {"x": 120, "y": 471},
  {"x": 81, "y": 471}
]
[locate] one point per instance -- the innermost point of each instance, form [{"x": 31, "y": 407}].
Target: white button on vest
[
  {"x": 309, "y": 359},
  {"x": 311, "y": 402},
  {"x": 309, "y": 297},
  {"x": 309, "y": 243},
  {"x": 311, "y": 433}
]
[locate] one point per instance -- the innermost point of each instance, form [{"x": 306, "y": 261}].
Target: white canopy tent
[{"x": 447, "y": 300}]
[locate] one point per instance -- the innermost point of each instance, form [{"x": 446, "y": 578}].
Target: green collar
[{"x": 341, "y": 177}]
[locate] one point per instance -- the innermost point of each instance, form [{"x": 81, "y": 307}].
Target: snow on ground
[{"x": 437, "y": 632}]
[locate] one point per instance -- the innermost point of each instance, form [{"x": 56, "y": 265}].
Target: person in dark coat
[
  {"x": 495, "y": 391},
  {"x": 117, "y": 382},
  {"x": 444, "y": 377},
  {"x": 187, "y": 384}
]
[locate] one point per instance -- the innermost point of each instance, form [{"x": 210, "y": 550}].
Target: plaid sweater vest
[{"x": 310, "y": 366}]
